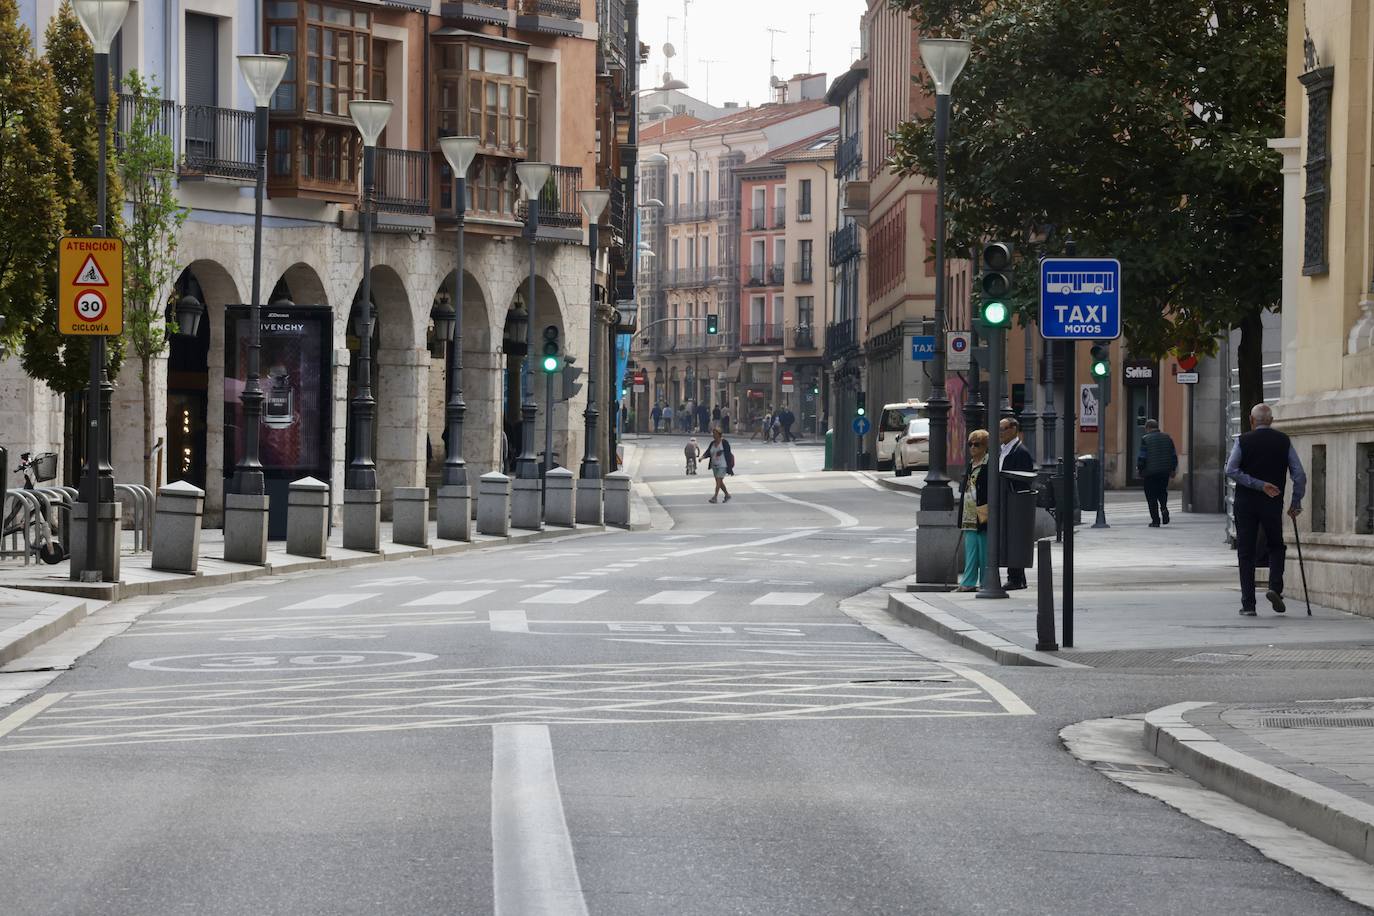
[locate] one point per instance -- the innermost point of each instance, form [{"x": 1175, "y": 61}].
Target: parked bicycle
[{"x": 25, "y": 516}]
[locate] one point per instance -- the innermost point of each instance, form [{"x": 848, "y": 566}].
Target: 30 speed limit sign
[{"x": 90, "y": 286}]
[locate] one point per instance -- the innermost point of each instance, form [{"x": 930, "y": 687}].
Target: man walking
[
  {"x": 1157, "y": 464},
  {"x": 1015, "y": 457},
  {"x": 656, "y": 414},
  {"x": 1261, "y": 462}
]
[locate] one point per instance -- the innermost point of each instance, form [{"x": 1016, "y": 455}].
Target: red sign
[
  {"x": 1187, "y": 363},
  {"x": 787, "y": 377}
]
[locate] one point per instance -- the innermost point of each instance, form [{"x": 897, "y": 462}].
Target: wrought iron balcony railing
[
  {"x": 758, "y": 218},
  {"x": 562, "y": 9},
  {"x": 848, "y": 157},
  {"x": 218, "y": 142},
  {"x": 558, "y": 203},
  {"x": 840, "y": 337},
  {"x": 403, "y": 181},
  {"x": 844, "y": 244},
  {"x": 802, "y": 337},
  {"x": 776, "y": 275},
  {"x": 762, "y": 335},
  {"x": 779, "y": 216},
  {"x": 803, "y": 272}
]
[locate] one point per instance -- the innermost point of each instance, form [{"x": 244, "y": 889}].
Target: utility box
[
  {"x": 1089, "y": 483},
  {"x": 1016, "y": 544}
]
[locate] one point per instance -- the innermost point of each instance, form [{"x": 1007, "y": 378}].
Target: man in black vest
[
  {"x": 1157, "y": 464},
  {"x": 1261, "y": 463},
  {"x": 1015, "y": 457}
]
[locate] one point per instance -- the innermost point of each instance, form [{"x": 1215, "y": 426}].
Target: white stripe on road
[
  {"x": 533, "y": 869},
  {"x": 508, "y": 622},
  {"x": 741, "y": 547},
  {"x": 675, "y": 597},
  {"x": 565, "y": 596},
  {"x": 844, "y": 518},
  {"x": 19, "y": 717},
  {"x": 786, "y": 599},
  {"x": 446, "y": 599},
  {"x": 329, "y": 602},
  {"x": 1010, "y": 701},
  {"x": 213, "y": 605}
]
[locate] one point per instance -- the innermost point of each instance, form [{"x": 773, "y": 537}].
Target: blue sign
[
  {"x": 923, "y": 349},
  {"x": 862, "y": 426},
  {"x": 1080, "y": 298}
]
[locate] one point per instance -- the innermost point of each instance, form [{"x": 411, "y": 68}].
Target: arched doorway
[
  {"x": 481, "y": 384},
  {"x": 547, "y": 313},
  {"x": 188, "y": 389}
]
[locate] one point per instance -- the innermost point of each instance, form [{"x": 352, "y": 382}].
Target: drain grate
[{"x": 1316, "y": 722}]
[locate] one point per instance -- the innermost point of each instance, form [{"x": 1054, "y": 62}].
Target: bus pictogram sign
[{"x": 90, "y": 286}]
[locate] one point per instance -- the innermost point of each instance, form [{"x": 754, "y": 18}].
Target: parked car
[
  {"x": 913, "y": 451},
  {"x": 892, "y": 426}
]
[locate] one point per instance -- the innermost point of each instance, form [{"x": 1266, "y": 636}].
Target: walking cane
[{"x": 1302, "y": 569}]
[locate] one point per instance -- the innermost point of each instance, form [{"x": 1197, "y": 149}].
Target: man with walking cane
[{"x": 1261, "y": 463}]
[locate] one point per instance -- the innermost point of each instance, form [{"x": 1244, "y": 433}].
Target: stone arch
[
  {"x": 303, "y": 285},
  {"x": 548, "y": 310},
  {"x": 481, "y": 382}
]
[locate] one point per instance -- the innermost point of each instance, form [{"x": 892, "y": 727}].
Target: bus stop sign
[{"x": 1080, "y": 298}]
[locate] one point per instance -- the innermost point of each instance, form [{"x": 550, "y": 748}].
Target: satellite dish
[
  {"x": 774, "y": 81},
  {"x": 669, "y": 50}
]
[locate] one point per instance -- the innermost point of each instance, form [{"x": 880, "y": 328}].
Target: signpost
[
  {"x": 861, "y": 426},
  {"x": 922, "y": 349},
  {"x": 787, "y": 382},
  {"x": 90, "y": 287},
  {"x": 958, "y": 351}
]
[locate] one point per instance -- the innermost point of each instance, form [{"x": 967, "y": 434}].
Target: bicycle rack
[
  {"x": 28, "y": 505},
  {"x": 142, "y": 499}
]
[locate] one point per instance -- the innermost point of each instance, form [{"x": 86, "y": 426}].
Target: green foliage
[
  {"x": 63, "y": 360},
  {"x": 1138, "y": 128},
  {"x": 147, "y": 165},
  {"x": 33, "y": 163}
]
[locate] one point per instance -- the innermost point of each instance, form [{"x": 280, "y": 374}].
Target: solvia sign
[{"x": 1139, "y": 372}]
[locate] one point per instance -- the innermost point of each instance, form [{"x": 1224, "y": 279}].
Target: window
[
  {"x": 804, "y": 198},
  {"x": 483, "y": 92},
  {"x": 691, "y": 187},
  {"x": 675, "y": 185},
  {"x": 706, "y": 185},
  {"x": 806, "y": 311},
  {"x": 805, "y": 252}
]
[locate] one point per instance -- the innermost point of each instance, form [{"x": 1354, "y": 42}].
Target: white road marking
[
  {"x": 446, "y": 599},
  {"x": 675, "y": 597},
  {"x": 680, "y": 579},
  {"x": 329, "y": 602},
  {"x": 509, "y": 622},
  {"x": 533, "y": 869},
  {"x": 866, "y": 528},
  {"x": 844, "y": 518},
  {"x": 395, "y": 580},
  {"x": 1010, "y": 701},
  {"x": 565, "y": 596},
  {"x": 213, "y": 605},
  {"x": 786, "y": 599},
  {"x": 27, "y": 712},
  {"x": 760, "y": 543}
]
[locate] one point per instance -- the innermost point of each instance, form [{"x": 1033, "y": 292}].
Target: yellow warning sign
[{"x": 90, "y": 286}]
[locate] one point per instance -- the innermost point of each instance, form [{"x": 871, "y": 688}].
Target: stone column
[
  {"x": 401, "y": 423},
  {"x": 493, "y": 504},
  {"x": 410, "y": 516},
  {"x": 176, "y": 528},
  {"x": 307, "y": 518}
]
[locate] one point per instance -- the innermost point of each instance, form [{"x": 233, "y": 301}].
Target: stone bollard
[
  {"x": 493, "y": 504},
  {"x": 456, "y": 508},
  {"x": 589, "y": 498},
  {"x": 410, "y": 516},
  {"x": 526, "y": 510},
  {"x": 618, "y": 499},
  {"x": 558, "y": 497},
  {"x": 362, "y": 520},
  {"x": 307, "y": 518},
  {"x": 176, "y": 528},
  {"x": 245, "y": 529}
]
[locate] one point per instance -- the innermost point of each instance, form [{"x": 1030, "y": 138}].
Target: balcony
[
  {"x": 841, "y": 338},
  {"x": 159, "y": 116},
  {"x": 725, "y": 274},
  {"x": 757, "y": 275},
  {"x": 558, "y": 203},
  {"x": 486, "y": 12},
  {"x": 848, "y": 157},
  {"x": 558, "y": 17},
  {"x": 779, "y": 216},
  {"x": 776, "y": 275},
  {"x": 693, "y": 212},
  {"x": 758, "y": 219},
  {"x": 802, "y": 337},
  {"x": 218, "y": 143},
  {"x": 686, "y": 277},
  {"x": 403, "y": 181},
  {"x": 762, "y": 335},
  {"x": 844, "y": 244},
  {"x": 610, "y": 17},
  {"x": 617, "y": 208},
  {"x": 803, "y": 272}
]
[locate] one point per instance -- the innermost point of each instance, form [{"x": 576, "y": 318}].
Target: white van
[{"x": 892, "y": 427}]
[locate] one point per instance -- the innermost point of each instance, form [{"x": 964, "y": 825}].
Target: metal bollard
[{"x": 1044, "y": 609}]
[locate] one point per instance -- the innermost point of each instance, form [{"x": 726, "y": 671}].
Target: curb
[
  {"x": 1335, "y": 819},
  {"x": 911, "y": 610},
  {"x": 62, "y": 614}
]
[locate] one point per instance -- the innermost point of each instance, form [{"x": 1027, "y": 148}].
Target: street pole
[
  {"x": 1190, "y": 492},
  {"x": 594, "y": 202},
  {"x": 937, "y": 495},
  {"x": 362, "y": 471},
  {"x": 992, "y": 570},
  {"x": 459, "y": 151},
  {"x": 548, "y": 431},
  {"x": 1104, "y": 398},
  {"x": 1066, "y": 497},
  {"x": 533, "y": 177}
]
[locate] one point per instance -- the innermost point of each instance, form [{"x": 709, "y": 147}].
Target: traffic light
[
  {"x": 712, "y": 324},
  {"x": 551, "y": 348},
  {"x": 1101, "y": 361},
  {"x": 571, "y": 374},
  {"x": 861, "y": 407},
  {"x": 996, "y": 283}
]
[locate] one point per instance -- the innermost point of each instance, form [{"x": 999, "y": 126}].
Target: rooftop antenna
[
  {"x": 686, "y": 51},
  {"x": 810, "y": 39},
  {"x": 708, "y": 61},
  {"x": 772, "y": 59}
]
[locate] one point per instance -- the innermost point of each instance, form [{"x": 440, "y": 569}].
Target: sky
[{"x": 735, "y": 33}]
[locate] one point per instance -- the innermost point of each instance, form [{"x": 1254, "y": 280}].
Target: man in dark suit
[
  {"x": 1015, "y": 457},
  {"x": 1261, "y": 462}
]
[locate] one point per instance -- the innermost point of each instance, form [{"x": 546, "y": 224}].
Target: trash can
[
  {"x": 829, "y": 449},
  {"x": 1016, "y": 541},
  {"x": 1089, "y": 483}
]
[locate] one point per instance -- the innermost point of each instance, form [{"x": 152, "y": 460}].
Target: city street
[{"x": 691, "y": 719}]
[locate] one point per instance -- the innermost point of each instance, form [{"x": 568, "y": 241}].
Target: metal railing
[
  {"x": 779, "y": 216},
  {"x": 563, "y": 9},
  {"x": 164, "y": 119},
  {"x": 762, "y": 335},
  {"x": 558, "y": 203},
  {"x": 218, "y": 142},
  {"x": 618, "y": 220},
  {"x": 757, "y": 273},
  {"x": 758, "y": 218},
  {"x": 802, "y": 337},
  {"x": 610, "y": 17},
  {"x": 403, "y": 181},
  {"x": 803, "y": 272},
  {"x": 840, "y": 336},
  {"x": 844, "y": 244},
  {"x": 777, "y": 275},
  {"x": 848, "y": 157}
]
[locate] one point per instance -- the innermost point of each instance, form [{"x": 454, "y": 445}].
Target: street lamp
[
  {"x": 594, "y": 201},
  {"x": 459, "y": 151},
  {"x": 533, "y": 176},
  {"x": 263, "y": 73},
  {"x": 102, "y": 20},
  {"x": 370, "y": 117}
]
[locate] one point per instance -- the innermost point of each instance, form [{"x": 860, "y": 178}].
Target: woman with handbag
[{"x": 973, "y": 511}]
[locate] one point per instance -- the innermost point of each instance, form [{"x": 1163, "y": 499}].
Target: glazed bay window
[{"x": 483, "y": 91}]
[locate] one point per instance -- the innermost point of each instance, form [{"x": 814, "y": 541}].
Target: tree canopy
[{"x": 1138, "y": 128}]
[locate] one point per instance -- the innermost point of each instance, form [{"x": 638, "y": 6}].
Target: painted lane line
[
  {"x": 844, "y": 518},
  {"x": 395, "y": 580},
  {"x": 1013, "y": 704},
  {"x": 213, "y": 605},
  {"x": 20, "y": 716},
  {"x": 509, "y": 622},
  {"x": 791, "y": 536},
  {"x": 329, "y": 602},
  {"x": 675, "y": 597},
  {"x": 565, "y": 596},
  {"x": 786, "y": 599},
  {"x": 533, "y": 869},
  {"x": 447, "y": 599}
]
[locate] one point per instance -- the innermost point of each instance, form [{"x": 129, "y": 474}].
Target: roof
[
  {"x": 652, "y": 132},
  {"x": 816, "y": 146},
  {"x": 744, "y": 120}
]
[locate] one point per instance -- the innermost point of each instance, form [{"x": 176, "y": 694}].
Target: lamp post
[
  {"x": 594, "y": 201},
  {"x": 459, "y": 151},
  {"x": 533, "y": 176},
  {"x": 263, "y": 73},
  {"x": 370, "y": 117},
  {"x": 102, "y": 20}
]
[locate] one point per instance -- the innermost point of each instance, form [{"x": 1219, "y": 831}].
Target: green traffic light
[
  {"x": 995, "y": 314},
  {"x": 862, "y": 411},
  {"x": 550, "y": 364},
  {"x": 1101, "y": 369}
]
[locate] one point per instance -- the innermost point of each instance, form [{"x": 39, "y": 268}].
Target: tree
[
  {"x": 32, "y": 156},
  {"x": 147, "y": 164},
  {"x": 1138, "y": 128}
]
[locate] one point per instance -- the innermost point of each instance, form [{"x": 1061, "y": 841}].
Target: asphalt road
[{"x": 673, "y": 721}]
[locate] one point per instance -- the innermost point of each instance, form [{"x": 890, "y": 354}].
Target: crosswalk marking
[
  {"x": 329, "y": 602},
  {"x": 508, "y": 622},
  {"x": 675, "y": 597},
  {"x": 786, "y": 599},
  {"x": 211, "y": 605},
  {"x": 565, "y": 596},
  {"x": 446, "y": 599}
]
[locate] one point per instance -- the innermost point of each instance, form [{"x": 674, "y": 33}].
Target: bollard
[
  {"x": 589, "y": 501},
  {"x": 362, "y": 520},
  {"x": 307, "y": 518},
  {"x": 457, "y": 509},
  {"x": 493, "y": 504},
  {"x": 176, "y": 541},
  {"x": 618, "y": 499},
  {"x": 245, "y": 529},
  {"x": 558, "y": 497},
  {"x": 410, "y": 516},
  {"x": 526, "y": 509},
  {"x": 1044, "y": 609}
]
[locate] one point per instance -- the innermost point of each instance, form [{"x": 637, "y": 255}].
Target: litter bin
[
  {"x": 829, "y": 449},
  {"x": 1016, "y": 543},
  {"x": 1089, "y": 483}
]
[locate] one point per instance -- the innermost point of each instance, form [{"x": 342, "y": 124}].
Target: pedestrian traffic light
[
  {"x": 712, "y": 324},
  {"x": 551, "y": 348},
  {"x": 861, "y": 407},
  {"x": 1101, "y": 362},
  {"x": 996, "y": 284},
  {"x": 571, "y": 374}
]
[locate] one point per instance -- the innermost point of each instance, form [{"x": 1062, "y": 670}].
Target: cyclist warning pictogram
[{"x": 90, "y": 273}]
